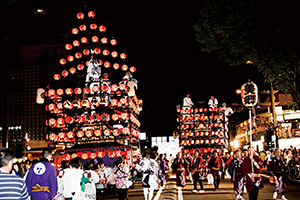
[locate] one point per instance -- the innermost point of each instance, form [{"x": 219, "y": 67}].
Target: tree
[{"x": 265, "y": 32}]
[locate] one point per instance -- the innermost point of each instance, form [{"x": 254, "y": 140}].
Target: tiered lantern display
[
  {"x": 85, "y": 106},
  {"x": 202, "y": 128}
]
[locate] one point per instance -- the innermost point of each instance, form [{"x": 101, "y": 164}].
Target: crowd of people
[{"x": 78, "y": 180}]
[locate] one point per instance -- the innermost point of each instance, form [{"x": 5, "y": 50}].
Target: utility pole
[{"x": 272, "y": 98}]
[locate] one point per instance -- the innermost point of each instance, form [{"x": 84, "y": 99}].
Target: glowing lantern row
[
  {"x": 202, "y": 142},
  {"x": 80, "y": 15}
]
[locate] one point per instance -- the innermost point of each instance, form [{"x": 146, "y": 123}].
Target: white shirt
[
  {"x": 213, "y": 103},
  {"x": 71, "y": 181},
  {"x": 187, "y": 102}
]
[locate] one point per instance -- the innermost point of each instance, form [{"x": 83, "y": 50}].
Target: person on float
[
  {"x": 197, "y": 168},
  {"x": 187, "y": 102},
  {"x": 279, "y": 168},
  {"x": 237, "y": 175},
  {"x": 215, "y": 165},
  {"x": 213, "y": 102},
  {"x": 178, "y": 167},
  {"x": 253, "y": 179},
  {"x": 41, "y": 179}
]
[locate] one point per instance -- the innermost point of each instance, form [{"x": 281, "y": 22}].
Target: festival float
[
  {"x": 91, "y": 102},
  {"x": 202, "y": 129}
]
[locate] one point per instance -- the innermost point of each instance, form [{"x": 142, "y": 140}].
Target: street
[{"x": 225, "y": 192}]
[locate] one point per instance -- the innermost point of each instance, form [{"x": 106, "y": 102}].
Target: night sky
[{"x": 160, "y": 42}]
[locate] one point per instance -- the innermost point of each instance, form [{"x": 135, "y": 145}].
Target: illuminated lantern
[
  {"x": 69, "y": 120},
  {"x": 91, "y": 14},
  {"x": 51, "y": 106},
  {"x": 93, "y": 26},
  {"x": 87, "y": 63},
  {"x": 100, "y": 154},
  {"x": 52, "y": 136},
  {"x": 80, "y": 15},
  {"x": 93, "y": 155},
  {"x": 75, "y": 31},
  {"x": 132, "y": 69},
  {"x": 95, "y": 39},
  {"x": 69, "y": 91},
  {"x": 89, "y": 133},
  {"x": 56, "y": 77},
  {"x": 97, "y": 133},
  {"x": 123, "y": 56},
  {"x": 77, "y": 90},
  {"x": 72, "y": 70},
  {"x": 51, "y": 92},
  {"x": 78, "y": 55},
  {"x": 106, "y": 132},
  {"x": 68, "y": 104},
  {"x": 105, "y": 52},
  {"x": 84, "y": 156},
  {"x": 84, "y": 40},
  {"x": 124, "y": 67},
  {"x": 86, "y": 90},
  {"x": 80, "y": 67},
  {"x": 114, "y": 102},
  {"x": 76, "y": 43},
  {"x": 68, "y": 46},
  {"x": 62, "y": 61},
  {"x": 124, "y": 116},
  {"x": 95, "y": 88},
  {"x": 116, "y": 66},
  {"x": 125, "y": 131},
  {"x": 70, "y": 58},
  {"x": 60, "y": 91},
  {"x": 86, "y": 52},
  {"x": 52, "y": 122},
  {"x": 82, "y": 27},
  {"x": 102, "y": 28},
  {"x": 111, "y": 154},
  {"x": 107, "y": 64},
  {"x": 74, "y": 155},
  {"x": 60, "y": 106},
  {"x": 123, "y": 101},
  {"x": 114, "y": 87},
  {"x": 97, "y": 51},
  {"x": 115, "y": 117},
  {"x": 201, "y": 141},
  {"x": 113, "y": 42},
  {"x": 65, "y": 73},
  {"x": 116, "y": 132},
  {"x": 123, "y": 87},
  {"x": 119, "y": 153},
  {"x": 80, "y": 134},
  {"x": 104, "y": 40},
  {"x": 114, "y": 54},
  {"x": 105, "y": 88},
  {"x": 61, "y": 135}
]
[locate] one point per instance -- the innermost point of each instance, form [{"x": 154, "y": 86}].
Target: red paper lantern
[
  {"x": 104, "y": 40},
  {"x": 69, "y": 91},
  {"x": 80, "y": 67},
  {"x": 77, "y": 90},
  {"x": 70, "y": 58},
  {"x": 105, "y": 52},
  {"x": 65, "y": 73},
  {"x": 97, "y": 51},
  {"x": 101, "y": 154},
  {"x": 84, "y": 156},
  {"x": 62, "y": 61},
  {"x": 114, "y": 54},
  {"x": 80, "y": 134},
  {"x": 61, "y": 135},
  {"x": 52, "y": 136},
  {"x": 95, "y": 88},
  {"x": 93, "y": 155},
  {"x": 76, "y": 43},
  {"x": 123, "y": 87},
  {"x": 56, "y": 77},
  {"x": 123, "y": 56},
  {"x": 102, "y": 28},
  {"x": 84, "y": 40},
  {"x": 111, "y": 154},
  {"x": 114, "y": 87},
  {"x": 93, "y": 26},
  {"x": 97, "y": 133},
  {"x": 51, "y": 107},
  {"x": 132, "y": 69},
  {"x": 68, "y": 46},
  {"x": 86, "y": 90},
  {"x": 115, "y": 117},
  {"x": 70, "y": 135},
  {"x": 89, "y": 133},
  {"x": 91, "y": 14},
  {"x": 78, "y": 55},
  {"x": 114, "y": 102},
  {"x": 72, "y": 70},
  {"x": 107, "y": 64},
  {"x": 107, "y": 132},
  {"x": 80, "y": 15},
  {"x": 95, "y": 39},
  {"x": 116, "y": 132},
  {"x": 82, "y": 27},
  {"x": 86, "y": 52},
  {"x": 116, "y": 66},
  {"x": 105, "y": 88},
  {"x": 113, "y": 42},
  {"x": 60, "y": 91},
  {"x": 124, "y": 116},
  {"x": 75, "y": 31},
  {"x": 125, "y": 131},
  {"x": 124, "y": 67}
]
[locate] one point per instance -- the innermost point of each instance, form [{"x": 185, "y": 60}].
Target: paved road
[{"x": 170, "y": 192}]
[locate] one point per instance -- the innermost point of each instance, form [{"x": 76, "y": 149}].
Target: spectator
[
  {"x": 122, "y": 175},
  {"x": 93, "y": 179},
  {"x": 12, "y": 186},
  {"x": 71, "y": 179},
  {"x": 41, "y": 179}
]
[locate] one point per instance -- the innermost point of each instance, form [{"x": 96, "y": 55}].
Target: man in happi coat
[
  {"x": 150, "y": 179},
  {"x": 197, "y": 170},
  {"x": 178, "y": 166},
  {"x": 215, "y": 165},
  {"x": 238, "y": 178},
  {"x": 279, "y": 168},
  {"x": 41, "y": 179},
  {"x": 253, "y": 179}
]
